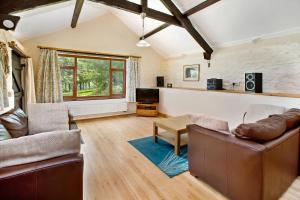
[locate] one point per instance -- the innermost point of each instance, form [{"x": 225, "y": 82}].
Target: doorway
[{"x": 17, "y": 79}]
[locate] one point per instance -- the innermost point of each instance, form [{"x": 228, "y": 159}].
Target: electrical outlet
[{"x": 235, "y": 85}]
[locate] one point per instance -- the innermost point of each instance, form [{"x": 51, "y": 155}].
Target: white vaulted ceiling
[
  {"x": 226, "y": 23},
  {"x": 48, "y": 19}
]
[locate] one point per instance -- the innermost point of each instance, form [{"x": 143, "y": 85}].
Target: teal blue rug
[{"x": 162, "y": 155}]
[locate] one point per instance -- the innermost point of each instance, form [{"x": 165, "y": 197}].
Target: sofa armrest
[
  {"x": 56, "y": 178},
  {"x": 281, "y": 139},
  {"x": 225, "y": 162},
  {"x": 193, "y": 128},
  {"x": 281, "y": 164}
]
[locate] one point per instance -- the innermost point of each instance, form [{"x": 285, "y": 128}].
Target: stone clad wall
[{"x": 278, "y": 59}]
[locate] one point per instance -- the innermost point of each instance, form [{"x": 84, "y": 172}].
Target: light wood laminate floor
[{"x": 115, "y": 170}]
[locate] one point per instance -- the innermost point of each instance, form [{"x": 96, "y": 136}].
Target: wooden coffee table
[{"x": 176, "y": 131}]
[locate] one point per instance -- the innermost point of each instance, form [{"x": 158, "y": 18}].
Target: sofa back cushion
[
  {"x": 16, "y": 122},
  {"x": 45, "y": 117},
  {"x": 4, "y": 134},
  {"x": 39, "y": 147},
  {"x": 263, "y": 130},
  {"x": 210, "y": 123},
  {"x": 292, "y": 118},
  {"x": 257, "y": 112}
]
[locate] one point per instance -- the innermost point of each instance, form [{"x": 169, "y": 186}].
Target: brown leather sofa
[
  {"x": 58, "y": 178},
  {"x": 243, "y": 169}
]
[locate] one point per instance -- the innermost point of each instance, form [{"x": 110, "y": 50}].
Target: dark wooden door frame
[{"x": 17, "y": 79}]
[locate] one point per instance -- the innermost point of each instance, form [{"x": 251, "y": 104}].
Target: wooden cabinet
[{"x": 148, "y": 110}]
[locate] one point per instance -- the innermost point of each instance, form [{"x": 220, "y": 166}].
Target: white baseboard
[{"x": 102, "y": 115}]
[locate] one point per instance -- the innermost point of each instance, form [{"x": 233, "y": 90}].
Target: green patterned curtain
[
  {"x": 4, "y": 71},
  {"x": 49, "y": 86}
]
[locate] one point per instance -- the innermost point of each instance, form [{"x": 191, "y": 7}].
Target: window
[{"x": 88, "y": 77}]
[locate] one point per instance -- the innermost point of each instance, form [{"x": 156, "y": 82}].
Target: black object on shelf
[
  {"x": 160, "y": 81},
  {"x": 254, "y": 82},
  {"x": 214, "y": 84}
]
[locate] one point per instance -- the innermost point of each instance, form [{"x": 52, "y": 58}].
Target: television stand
[{"x": 147, "y": 110}]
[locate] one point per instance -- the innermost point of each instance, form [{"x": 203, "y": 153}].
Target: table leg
[
  {"x": 177, "y": 144},
  {"x": 155, "y": 133}
]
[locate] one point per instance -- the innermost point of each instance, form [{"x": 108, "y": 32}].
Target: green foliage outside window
[{"x": 93, "y": 76}]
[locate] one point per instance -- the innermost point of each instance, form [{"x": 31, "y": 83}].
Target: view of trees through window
[{"x": 92, "y": 76}]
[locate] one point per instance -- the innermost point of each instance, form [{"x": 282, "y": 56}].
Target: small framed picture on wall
[{"x": 191, "y": 72}]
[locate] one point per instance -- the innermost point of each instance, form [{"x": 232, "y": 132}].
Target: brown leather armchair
[
  {"x": 241, "y": 169},
  {"x": 59, "y": 178}
]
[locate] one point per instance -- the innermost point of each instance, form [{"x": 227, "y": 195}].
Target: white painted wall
[
  {"x": 104, "y": 34},
  {"x": 277, "y": 58},
  {"x": 226, "y": 106}
]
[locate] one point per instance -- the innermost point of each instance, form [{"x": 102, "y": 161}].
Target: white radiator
[{"x": 96, "y": 107}]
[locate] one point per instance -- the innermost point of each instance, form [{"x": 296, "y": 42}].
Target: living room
[{"x": 161, "y": 99}]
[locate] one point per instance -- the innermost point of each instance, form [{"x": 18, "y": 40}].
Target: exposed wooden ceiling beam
[
  {"x": 144, "y": 4},
  {"x": 10, "y": 6},
  {"x": 165, "y": 25},
  {"x": 186, "y": 23},
  {"x": 199, "y": 7},
  {"x": 137, "y": 9},
  {"x": 191, "y": 11},
  {"x": 11, "y": 18},
  {"x": 76, "y": 14}
]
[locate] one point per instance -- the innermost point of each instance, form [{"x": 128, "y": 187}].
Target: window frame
[{"x": 74, "y": 68}]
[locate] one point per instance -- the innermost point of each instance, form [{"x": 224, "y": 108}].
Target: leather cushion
[
  {"x": 292, "y": 118},
  {"x": 15, "y": 122},
  {"x": 4, "y": 134},
  {"x": 263, "y": 130}
]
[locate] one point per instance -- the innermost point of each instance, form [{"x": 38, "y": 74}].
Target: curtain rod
[
  {"x": 17, "y": 49},
  {"x": 88, "y": 52}
]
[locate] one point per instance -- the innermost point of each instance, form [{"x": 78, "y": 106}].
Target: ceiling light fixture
[
  {"x": 8, "y": 24},
  {"x": 142, "y": 42}
]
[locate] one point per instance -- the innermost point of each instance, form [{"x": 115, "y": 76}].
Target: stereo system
[
  {"x": 254, "y": 82},
  {"x": 214, "y": 84},
  {"x": 160, "y": 81}
]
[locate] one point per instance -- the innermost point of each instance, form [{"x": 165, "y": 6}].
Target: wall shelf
[{"x": 243, "y": 92}]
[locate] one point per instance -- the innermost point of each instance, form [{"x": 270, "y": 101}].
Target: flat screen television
[{"x": 147, "y": 95}]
